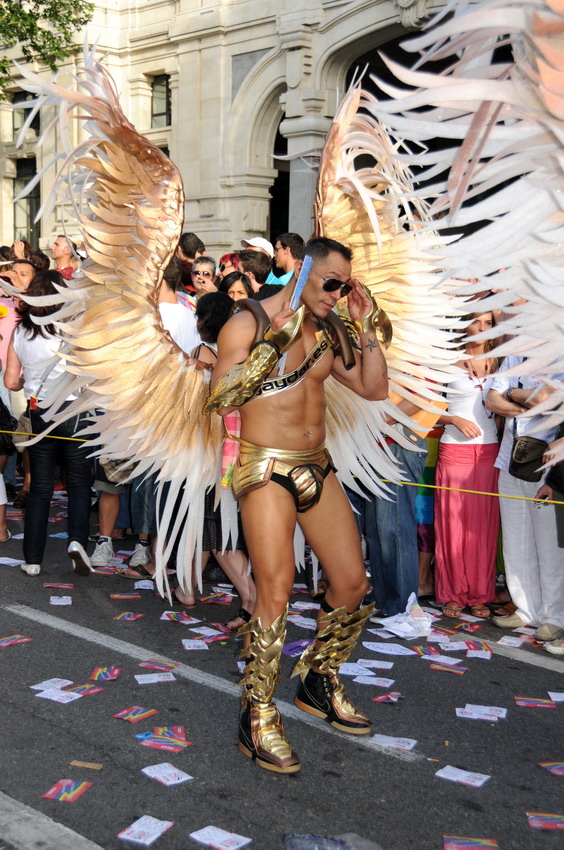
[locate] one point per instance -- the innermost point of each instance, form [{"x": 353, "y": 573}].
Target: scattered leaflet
[
  {"x": 51, "y": 683},
  {"x": 374, "y": 680},
  {"x": 128, "y": 616},
  {"x": 13, "y": 639},
  {"x": 169, "y": 738},
  {"x": 58, "y": 696},
  {"x": 388, "y": 648},
  {"x": 533, "y": 702},
  {"x": 84, "y": 690},
  {"x": 194, "y": 643},
  {"x": 496, "y": 710},
  {"x": 155, "y": 664},
  {"x": 509, "y": 640},
  {"x": 555, "y": 767},
  {"x": 166, "y": 773},
  {"x": 154, "y": 678},
  {"x": 135, "y": 713},
  {"x": 219, "y": 839},
  {"x": 375, "y": 664},
  {"x": 392, "y": 742},
  {"x": 60, "y": 600},
  {"x": 464, "y": 777},
  {"x": 67, "y": 790},
  {"x": 545, "y": 820},
  {"x": 145, "y": 831},
  {"x": 461, "y": 842},
  {"x": 468, "y": 714}
]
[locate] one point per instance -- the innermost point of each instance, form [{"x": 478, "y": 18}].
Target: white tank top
[
  {"x": 469, "y": 403},
  {"x": 36, "y": 356}
]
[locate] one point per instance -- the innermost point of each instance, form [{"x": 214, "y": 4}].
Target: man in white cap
[{"x": 262, "y": 246}]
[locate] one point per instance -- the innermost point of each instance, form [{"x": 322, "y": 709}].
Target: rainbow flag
[
  {"x": 533, "y": 702},
  {"x": 125, "y": 596},
  {"x": 11, "y": 639},
  {"x": 393, "y": 696},
  {"x": 170, "y": 738},
  {"x": 449, "y": 668},
  {"x": 84, "y": 690},
  {"x": 555, "y": 767},
  {"x": 104, "y": 674},
  {"x": 468, "y": 627},
  {"x": 67, "y": 790},
  {"x": 135, "y": 713},
  {"x": 155, "y": 664},
  {"x": 442, "y": 630},
  {"x": 425, "y": 650},
  {"x": 545, "y": 820},
  {"x": 478, "y": 645},
  {"x": 462, "y": 842},
  {"x": 128, "y": 616}
]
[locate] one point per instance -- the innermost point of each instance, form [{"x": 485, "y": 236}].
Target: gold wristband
[
  {"x": 243, "y": 380},
  {"x": 376, "y": 319}
]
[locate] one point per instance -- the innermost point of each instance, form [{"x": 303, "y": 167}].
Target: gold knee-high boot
[
  {"x": 261, "y": 733},
  {"x": 320, "y": 690}
]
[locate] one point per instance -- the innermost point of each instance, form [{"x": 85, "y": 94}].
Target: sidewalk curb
[{"x": 27, "y": 829}]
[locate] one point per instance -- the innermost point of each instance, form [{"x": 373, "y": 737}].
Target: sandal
[
  {"x": 506, "y": 610},
  {"x": 322, "y": 588},
  {"x": 141, "y": 573},
  {"x": 5, "y": 539},
  {"x": 21, "y": 499},
  {"x": 241, "y": 617},
  {"x": 481, "y": 611},
  {"x": 176, "y": 602},
  {"x": 455, "y": 610}
]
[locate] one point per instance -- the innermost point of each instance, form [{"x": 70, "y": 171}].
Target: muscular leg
[
  {"x": 331, "y": 530},
  {"x": 269, "y": 519}
]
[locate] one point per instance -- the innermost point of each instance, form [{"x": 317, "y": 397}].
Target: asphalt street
[{"x": 346, "y": 784}]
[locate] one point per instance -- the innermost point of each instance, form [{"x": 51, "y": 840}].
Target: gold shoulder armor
[{"x": 241, "y": 382}]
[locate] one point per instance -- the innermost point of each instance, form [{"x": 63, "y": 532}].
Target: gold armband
[
  {"x": 376, "y": 319},
  {"x": 241, "y": 382}
]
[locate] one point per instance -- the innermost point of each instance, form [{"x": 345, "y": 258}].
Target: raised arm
[
  {"x": 369, "y": 377},
  {"x": 13, "y": 375}
]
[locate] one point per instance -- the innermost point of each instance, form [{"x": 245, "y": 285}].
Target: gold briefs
[{"x": 301, "y": 473}]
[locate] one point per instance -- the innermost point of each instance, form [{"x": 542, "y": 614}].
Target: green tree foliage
[{"x": 42, "y": 29}]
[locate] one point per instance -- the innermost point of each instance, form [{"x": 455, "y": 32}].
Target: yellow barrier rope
[{"x": 384, "y": 480}]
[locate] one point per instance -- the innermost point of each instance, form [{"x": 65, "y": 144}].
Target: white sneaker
[
  {"x": 79, "y": 558},
  {"x": 141, "y": 556},
  {"x": 31, "y": 569},
  {"x": 102, "y": 554},
  {"x": 556, "y": 647}
]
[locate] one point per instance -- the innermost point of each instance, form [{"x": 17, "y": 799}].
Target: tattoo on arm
[{"x": 372, "y": 345}]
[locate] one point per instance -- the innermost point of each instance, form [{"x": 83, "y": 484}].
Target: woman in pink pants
[{"x": 467, "y": 525}]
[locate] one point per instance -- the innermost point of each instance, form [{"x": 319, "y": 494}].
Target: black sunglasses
[{"x": 331, "y": 284}]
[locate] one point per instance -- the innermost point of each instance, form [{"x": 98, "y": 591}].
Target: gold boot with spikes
[
  {"x": 261, "y": 733},
  {"x": 320, "y": 691}
]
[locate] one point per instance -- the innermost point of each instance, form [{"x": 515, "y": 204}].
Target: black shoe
[
  {"x": 323, "y": 695},
  {"x": 261, "y": 738}
]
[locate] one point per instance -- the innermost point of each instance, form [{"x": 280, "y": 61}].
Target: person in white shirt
[
  {"x": 534, "y": 565},
  {"x": 177, "y": 319}
]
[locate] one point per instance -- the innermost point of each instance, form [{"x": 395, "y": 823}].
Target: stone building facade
[{"x": 227, "y": 88}]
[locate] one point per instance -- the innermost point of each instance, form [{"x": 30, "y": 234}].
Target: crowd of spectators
[{"x": 451, "y": 550}]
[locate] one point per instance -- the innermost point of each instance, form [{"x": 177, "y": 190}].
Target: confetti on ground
[
  {"x": 128, "y": 616},
  {"x": 545, "y": 820},
  {"x": 533, "y": 702},
  {"x": 104, "y": 674},
  {"x": 59, "y": 586},
  {"x": 170, "y": 738},
  {"x": 84, "y": 690},
  {"x": 555, "y": 767},
  {"x": 135, "y": 713},
  {"x": 87, "y": 765},
  {"x": 462, "y": 842},
  {"x": 449, "y": 668},
  {"x": 155, "y": 664},
  {"x": 13, "y": 639},
  {"x": 67, "y": 790},
  {"x": 125, "y": 596},
  {"x": 393, "y": 696}
]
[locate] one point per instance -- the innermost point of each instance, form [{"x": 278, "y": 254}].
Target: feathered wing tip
[
  {"x": 126, "y": 198},
  {"x": 499, "y": 175},
  {"x": 375, "y": 210}
]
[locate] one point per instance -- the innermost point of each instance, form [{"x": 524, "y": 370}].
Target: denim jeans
[
  {"x": 391, "y": 537},
  {"x": 43, "y": 459}
]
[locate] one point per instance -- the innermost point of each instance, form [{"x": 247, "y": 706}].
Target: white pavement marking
[
  {"x": 27, "y": 829},
  {"x": 197, "y": 676},
  {"x": 545, "y": 661}
]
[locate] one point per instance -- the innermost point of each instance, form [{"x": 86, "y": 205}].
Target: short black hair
[
  {"x": 172, "y": 275},
  {"x": 320, "y": 247},
  {"x": 191, "y": 245},
  {"x": 257, "y": 263},
  {"x": 212, "y": 311},
  {"x": 294, "y": 242},
  {"x": 267, "y": 291},
  {"x": 235, "y": 277}
]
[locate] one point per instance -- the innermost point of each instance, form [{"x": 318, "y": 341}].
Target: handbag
[
  {"x": 23, "y": 426},
  {"x": 526, "y": 457},
  {"x": 7, "y": 423},
  {"x": 555, "y": 477}
]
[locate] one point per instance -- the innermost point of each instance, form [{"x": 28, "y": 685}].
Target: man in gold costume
[{"x": 284, "y": 474}]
